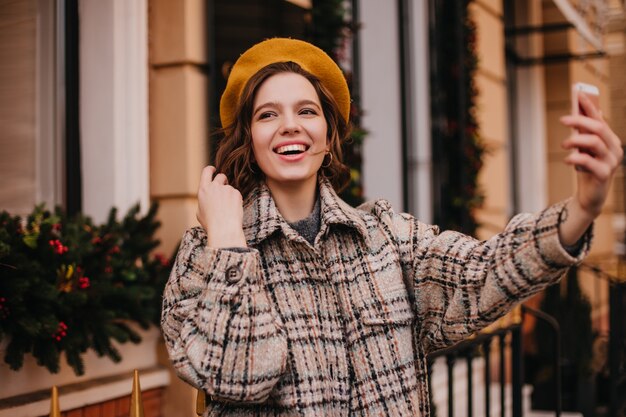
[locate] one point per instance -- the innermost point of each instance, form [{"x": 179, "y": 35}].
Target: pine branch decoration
[{"x": 67, "y": 285}]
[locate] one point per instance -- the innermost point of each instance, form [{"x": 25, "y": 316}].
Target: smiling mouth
[{"x": 293, "y": 149}]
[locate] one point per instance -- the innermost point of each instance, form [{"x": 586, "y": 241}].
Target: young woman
[{"x": 287, "y": 301}]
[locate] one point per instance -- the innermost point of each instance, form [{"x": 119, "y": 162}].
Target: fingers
[
  {"x": 591, "y": 144},
  {"x": 588, "y": 107},
  {"x": 588, "y": 164},
  {"x": 584, "y": 123},
  {"x": 596, "y": 127},
  {"x": 598, "y": 158},
  {"x": 601, "y": 150},
  {"x": 220, "y": 179},
  {"x": 218, "y": 201},
  {"x": 207, "y": 176}
]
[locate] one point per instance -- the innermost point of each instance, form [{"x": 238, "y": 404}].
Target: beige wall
[
  {"x": 178, "y": 112},
  {"x": 616, "y": 46},
  {"x": 492, "y": 115},
  {"x": 178, "y": 134}
]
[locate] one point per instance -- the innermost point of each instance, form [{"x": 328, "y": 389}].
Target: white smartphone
[{"x": 592, "y": 92}]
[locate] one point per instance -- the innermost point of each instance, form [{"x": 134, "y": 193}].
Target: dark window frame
[{"x": 71, "y": 140}]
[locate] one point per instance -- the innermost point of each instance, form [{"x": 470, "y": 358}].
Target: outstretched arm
[
  {"x": 596, "y": 152},
  {"x": 460, "y": 285}
]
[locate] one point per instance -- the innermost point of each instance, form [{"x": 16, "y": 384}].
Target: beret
[{"x": 311, "y": 58}]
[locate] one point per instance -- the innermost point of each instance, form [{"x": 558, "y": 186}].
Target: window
[{"x": 33, "y": 98}]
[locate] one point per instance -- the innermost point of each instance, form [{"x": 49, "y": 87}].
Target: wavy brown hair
[{"x": 235, "y": 157}]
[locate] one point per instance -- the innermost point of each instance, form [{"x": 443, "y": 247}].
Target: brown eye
[{"x": 308, "y": 111}]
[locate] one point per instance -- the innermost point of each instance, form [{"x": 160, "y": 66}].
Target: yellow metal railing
[
  {"x": 55, "y": 411},
  {"x": 200, "y": 402},
  {"x": 136, "y": 403}
]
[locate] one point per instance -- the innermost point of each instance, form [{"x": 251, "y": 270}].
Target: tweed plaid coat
[{"x": 342, "y": 327}]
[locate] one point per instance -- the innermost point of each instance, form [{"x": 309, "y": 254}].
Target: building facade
[{"x": 108, "y": 103}]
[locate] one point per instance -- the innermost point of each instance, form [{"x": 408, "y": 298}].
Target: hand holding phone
[{"x": 598, "y": 151}]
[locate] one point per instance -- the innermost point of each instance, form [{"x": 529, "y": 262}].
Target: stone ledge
[{"x": 32, "y": 377}]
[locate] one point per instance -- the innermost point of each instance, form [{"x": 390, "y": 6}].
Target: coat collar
[{"x": 261, "y": 217}]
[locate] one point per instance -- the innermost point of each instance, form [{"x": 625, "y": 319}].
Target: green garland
[
  {"x": 67, "y": 285},
  {"x": 461, "y": 159},
  {"x": 458, "y": 148}
]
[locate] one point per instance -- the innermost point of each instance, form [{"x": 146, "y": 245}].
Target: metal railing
[
  {"x": 556, "y": 356},
  {"x": 617, "y": 349},
  {"x": 616, "y": 336},
  {"x": 482, "y": 342},
  {"x": 482, "y": 345}
]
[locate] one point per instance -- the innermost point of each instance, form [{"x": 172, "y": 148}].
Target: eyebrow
[{"x": 275, "y": 104}]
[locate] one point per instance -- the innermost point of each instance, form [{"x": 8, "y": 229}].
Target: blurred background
[{"x": 456, "y": 106}]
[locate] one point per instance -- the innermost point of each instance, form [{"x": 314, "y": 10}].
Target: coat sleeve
[
  {"x": 220, "y": 329},
  {"x": 459, "y": 285}
]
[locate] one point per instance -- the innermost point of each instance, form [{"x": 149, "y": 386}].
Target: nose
[{"x": 289, "y": 124}]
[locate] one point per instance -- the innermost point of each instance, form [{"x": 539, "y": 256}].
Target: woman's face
[{"x": 288, "y": 130}]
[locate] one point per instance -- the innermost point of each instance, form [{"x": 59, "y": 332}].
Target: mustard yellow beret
[{"x": 311, "y": 58}]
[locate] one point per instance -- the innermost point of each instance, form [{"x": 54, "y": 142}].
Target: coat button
[{"x": 233, "y": 274}]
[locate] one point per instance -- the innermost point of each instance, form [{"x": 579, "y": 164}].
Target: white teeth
[{"x": 291, "y": 148}]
